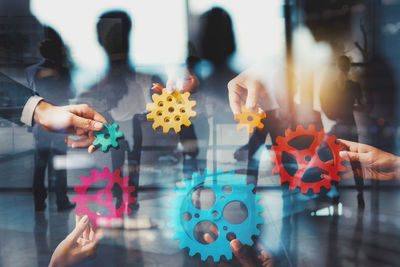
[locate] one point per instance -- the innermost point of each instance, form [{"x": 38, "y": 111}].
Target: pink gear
[
  {"x": 104, "y": 197},
  {"x": 307, "y": 158}
]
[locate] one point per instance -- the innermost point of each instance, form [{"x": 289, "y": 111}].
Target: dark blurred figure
[
  {"x": 338, "y": 102},
  {"x": 120, "y": 95},
  {"x": 51, "y": 80},
  {"x": 216, "y": 44}
]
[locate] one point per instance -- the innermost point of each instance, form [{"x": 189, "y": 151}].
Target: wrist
[{"x": 39, "y": 110}]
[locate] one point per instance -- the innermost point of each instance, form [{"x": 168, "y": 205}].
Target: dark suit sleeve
[{"x": 13, "y": 97}]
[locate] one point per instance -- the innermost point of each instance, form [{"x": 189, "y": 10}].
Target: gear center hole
[
  {"x": 107, "y": 135},
  {"x": 249, "y": 118}
]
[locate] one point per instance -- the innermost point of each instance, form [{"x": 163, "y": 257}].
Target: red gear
[
  {"x": 307, "y": 158},
  {"x": 104, "y": 196}
]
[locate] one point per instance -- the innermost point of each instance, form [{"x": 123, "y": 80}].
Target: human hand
[
  {"x": 73, "y": 119},
  {"x": 243, "y": 254},
  {"x": 81, "y": 243},
  {"x": 188, "y": 82},
  {"x": 247, "y": 90},
  {"x": 371, "y": 162}
]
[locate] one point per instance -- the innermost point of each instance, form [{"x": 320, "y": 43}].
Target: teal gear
[
  {"x": 107, "y": 136},
  {"x": 185, "y": 216}
]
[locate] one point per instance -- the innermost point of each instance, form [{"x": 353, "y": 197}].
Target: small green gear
[{"x": 107, "y": 136}]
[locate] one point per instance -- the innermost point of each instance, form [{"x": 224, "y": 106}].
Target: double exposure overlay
[{"x": 199, "y": 133}]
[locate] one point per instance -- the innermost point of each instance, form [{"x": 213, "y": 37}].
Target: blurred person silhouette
[
  {"x": 120, "y": 95},
  {"x": 51, "y": 80},
  {"x": 338, "y": 102},
  {"x": 216, "y": 44}
]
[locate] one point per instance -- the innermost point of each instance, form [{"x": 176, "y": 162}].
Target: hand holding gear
[
  {"x": 188, "y": 216},
  {"x": 249, "y": 120},
  {"x": 171, "y": 111},
  {"x": 308, "y": 159}
]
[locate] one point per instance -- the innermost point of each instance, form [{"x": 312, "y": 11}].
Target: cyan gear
[
  {"x": 185, "y": 216},
  {"x": 107, "y": 136}
]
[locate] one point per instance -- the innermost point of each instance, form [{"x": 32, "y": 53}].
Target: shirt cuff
[{"x": 29, "y": 108}]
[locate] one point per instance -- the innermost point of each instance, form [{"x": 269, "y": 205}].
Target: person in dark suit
[
  {"x": 23, "y": 106},
  {"x": 50, "y": 79},
  {"x": 338, "y": 104}
]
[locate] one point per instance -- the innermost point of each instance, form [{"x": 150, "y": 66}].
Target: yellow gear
[
  {"x": 249, "y": 120},
  {"x": 171, "y": 111}
]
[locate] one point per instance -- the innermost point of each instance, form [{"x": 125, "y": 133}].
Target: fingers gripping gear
[
  {"x": 307, "y": 159},
  {"x": 186, "y": 216},
  {"x": 249, "y": 120},
  {"x": 171, "y": 111},
  {"x": 107, "y": 136},
  {"x": 104, "y": 197}
]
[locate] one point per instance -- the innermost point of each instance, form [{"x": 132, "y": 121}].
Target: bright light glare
[
  {"x": 258, "y": 28},
  {"x": 159, "y": 33}
]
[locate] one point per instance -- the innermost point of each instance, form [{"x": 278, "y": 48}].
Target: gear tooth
[
  {"x": 312, "y": 127},
  {"x": 220, "y": 170},
  {"x": 304, "y": 190},
  {"x": 186, "y": 122},
  {"x": 166, "y": 130},
  {"x": 251, "y": 186},
  {"x": 155, "y": 97},
  {"x": 275, "y": 170},
  {"x": 177, "y": 129},
  {"x": 228, "y": 256},
  {"x": 260, "y": 125},
  {"x": 150, "y": 106},
  {"x": 192, "y": 252},
  {"x": 204, "y": 257},
  {"x": 260, "y": 220},
  {"x": 299, "y": 128},
  {"x": 216, "y": 258}
]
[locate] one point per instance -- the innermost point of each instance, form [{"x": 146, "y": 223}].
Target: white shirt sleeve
[{"x": 29, "y": 108}]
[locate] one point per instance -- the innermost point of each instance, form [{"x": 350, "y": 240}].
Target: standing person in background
[
  {"x": 338, "y": 103},
  {"x": 51, "y": 80}
]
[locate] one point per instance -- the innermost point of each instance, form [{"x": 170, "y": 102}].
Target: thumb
[
  {"x": 241, "y": 253},
  {"x": 86, "y": 124},
  {"x": 79, "y": 229}
]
